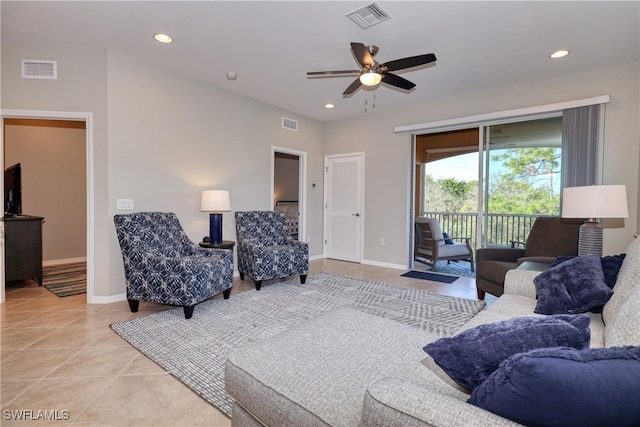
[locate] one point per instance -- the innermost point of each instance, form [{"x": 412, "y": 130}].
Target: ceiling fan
[{"x": 372, "y": 72}]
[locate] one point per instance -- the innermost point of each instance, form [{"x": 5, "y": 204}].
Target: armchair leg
[
  {"x": 226, "y": 293},
  {"x": 258, "y": 284},
  {"x": 133, "y": 305},
  {"x": 188, "y": 311},
  {"x": 303, "y": 278},
  {"x": 480, "y": 294},
  {"x": 241, "y": 275}
]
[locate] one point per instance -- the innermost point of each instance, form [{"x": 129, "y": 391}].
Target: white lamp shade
[
  {"x": 215, "y": 201},
  {"x": 595, "y": 201}
]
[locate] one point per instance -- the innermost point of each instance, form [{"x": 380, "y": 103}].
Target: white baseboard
[
  {"x": 384, "y": 264},
  {"x": 52, "y": 262},
  {"x": 108, "y": 300}
]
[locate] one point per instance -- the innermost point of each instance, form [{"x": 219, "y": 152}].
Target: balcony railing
[{"x": 500, "y": 229}]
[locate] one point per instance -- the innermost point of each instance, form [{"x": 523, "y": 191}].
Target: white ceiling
[{"x": 271, "y": 45}]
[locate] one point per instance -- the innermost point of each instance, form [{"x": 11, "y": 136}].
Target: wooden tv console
[{"x": 23, "y": 248}]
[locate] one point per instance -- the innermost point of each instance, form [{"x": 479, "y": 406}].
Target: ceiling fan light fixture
[{"x": 370, "y": 78}]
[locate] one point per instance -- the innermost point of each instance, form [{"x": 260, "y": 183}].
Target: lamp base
[
  {"x": 215, "y": 228},
  {"x": 590, "y": 239}
]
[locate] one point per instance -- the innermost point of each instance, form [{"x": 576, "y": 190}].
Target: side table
[{"x": 226, "y": 244}]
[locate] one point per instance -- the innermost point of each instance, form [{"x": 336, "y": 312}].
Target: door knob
[{"x": 356, "y": 214}]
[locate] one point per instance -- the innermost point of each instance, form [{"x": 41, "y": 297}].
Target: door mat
[{"x": 434, "y": 277}]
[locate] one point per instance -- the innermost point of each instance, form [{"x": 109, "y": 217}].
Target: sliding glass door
[{"x": 490, "y": 183}]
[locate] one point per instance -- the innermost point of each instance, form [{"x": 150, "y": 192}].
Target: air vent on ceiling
[
  {"x": 38, "y": 69},
  {"x": 368, "y": 15},
  {"x": 290, "y": 124}
]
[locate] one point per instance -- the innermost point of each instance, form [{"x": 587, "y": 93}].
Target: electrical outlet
[
  {"x": 124, "y": 204},
  {"x": 382, "y": 241}
]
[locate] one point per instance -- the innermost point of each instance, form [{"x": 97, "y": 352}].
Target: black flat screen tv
[{"x": 13, "y": 190}]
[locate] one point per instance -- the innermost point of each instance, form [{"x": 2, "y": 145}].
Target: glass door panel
[{"x": 521, "y": 178}]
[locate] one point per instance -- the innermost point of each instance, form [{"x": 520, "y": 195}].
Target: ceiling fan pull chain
[
  {"x": 366, "y": 101},
  {"x": 373, "y": 106}
]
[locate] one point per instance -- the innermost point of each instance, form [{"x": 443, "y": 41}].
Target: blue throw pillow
[
  {"x": 566, "y": 387},
  {"x": 472, "y": 355},
  {"x": 447, "y": 240},
  {"x": 610, "y": 266},
  {"x": 574, "y": 286}
]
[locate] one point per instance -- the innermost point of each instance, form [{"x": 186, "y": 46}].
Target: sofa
[{"x": 350, "y": 368}]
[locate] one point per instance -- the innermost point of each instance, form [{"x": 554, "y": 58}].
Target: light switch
[{"x": 124, "y": 204}]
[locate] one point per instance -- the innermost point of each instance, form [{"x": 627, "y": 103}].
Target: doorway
[
  {"x": 288, "y": 188},
  {"x": 85, "y": 239}
]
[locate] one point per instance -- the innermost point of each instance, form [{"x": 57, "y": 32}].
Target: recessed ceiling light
[
  {"x": 559, "y": 54},
  {"x": 329, "y": 105},
  {"x": 163, "y": 38}
]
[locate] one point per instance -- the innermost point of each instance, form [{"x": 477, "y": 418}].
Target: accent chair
[
  {"x": 550, "y": 237},
  {"x": 162, "y": 265},
  {"x": 266, "y": 250},
  {"x": 430, "y": 245}
]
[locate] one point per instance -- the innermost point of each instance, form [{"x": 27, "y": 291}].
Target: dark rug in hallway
[
  {"x": 65, "y": 279},
  {"x": 427, "y": 275},
  {"x": 195, "y": 350}
]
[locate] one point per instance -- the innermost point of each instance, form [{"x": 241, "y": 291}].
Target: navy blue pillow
[
  {"x": 610, "y": 266},
  {"x": 566, "y": 387},
  {"x": 574, "y": 286},
  {"x": 472, "y": 355},
  {"x": 447, "y": 240}
]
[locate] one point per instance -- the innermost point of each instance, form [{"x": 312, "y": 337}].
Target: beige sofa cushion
[{"x": 621, "y": 314}]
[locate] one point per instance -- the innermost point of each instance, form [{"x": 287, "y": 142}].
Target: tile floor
[{"x": 61, "y": 360}]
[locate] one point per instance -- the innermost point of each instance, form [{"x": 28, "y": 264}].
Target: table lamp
[
  {"x": 594, "y": 201},
  {"x": 215, "y": 201}
]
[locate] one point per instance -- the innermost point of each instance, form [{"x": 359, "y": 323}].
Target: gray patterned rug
[{"x": 194, "y": 351}]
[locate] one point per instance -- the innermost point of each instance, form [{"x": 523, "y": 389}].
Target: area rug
[
  {"x": 65, "y": 279},
  {"x": 195, "y": 350},
  {"x": 460, "y": 268},
  {"x": 427, "y": 275}
]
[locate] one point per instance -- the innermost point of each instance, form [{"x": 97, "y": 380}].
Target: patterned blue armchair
[
  {"x": 266, "y": 250},
  {"x": 162, "y": 265}
]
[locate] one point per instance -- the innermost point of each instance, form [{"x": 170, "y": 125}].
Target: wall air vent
[
  {"x": 368, "y": 15},
  {"x": 38, "y": 69},
  {"x": 290, "y": 124}
]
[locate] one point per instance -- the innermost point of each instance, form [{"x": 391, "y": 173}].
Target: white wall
[{"x": 388, "y": 154}]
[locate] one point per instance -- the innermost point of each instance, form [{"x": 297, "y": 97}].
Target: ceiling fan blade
[
  {"x": 411, "y": 61},
  {"x": 352, "y": 87},
  {"x": 362, "y": 54},
  {"x": 332, "y": 73},
  {"x": 397, "y": 81}
]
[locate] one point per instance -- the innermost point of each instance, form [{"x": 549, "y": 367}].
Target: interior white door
[{"x": 344, "y": 207}]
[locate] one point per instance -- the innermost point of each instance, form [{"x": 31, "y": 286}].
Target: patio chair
[
  {"x": 550, "y": 237},
  {"x": 162, "y": 265},
  {"x": 431, "y": 246},
  {"x": 266, "y": 250}
]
